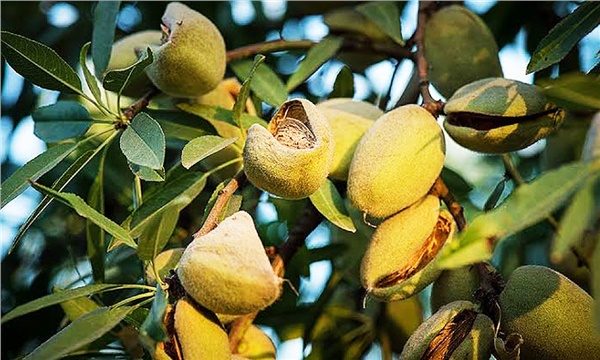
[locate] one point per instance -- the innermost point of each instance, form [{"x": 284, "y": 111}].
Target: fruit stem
[
  {"x": 435, "y": 107},
  {"x": 140, "y": 104},
  {"x": 440, "y": 190}
]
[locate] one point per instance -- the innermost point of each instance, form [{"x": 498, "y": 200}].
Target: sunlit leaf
[
  {"x": 315, "y": 57},
  {"x": 265, "y": 83},
  {"x": 87, "y": 74},
  {"x": 80, "y": 332},
  {"x": 179, "y": 192},
  {"x": 153, "y": 327},
  {"x": 62, "y": 120},
  {"x": 39, "y": 64},
  {"x": 157, "y": 232},
  {"x": 561, "y": 39},
  {"x": 202, "y": 147},
  {"x": 84, "y": 210},
  {"x": 143, "y": 142},
  {"x": 147, "y": 174},
  {"x": 574, "y": 91},
  {"x": 343, "y": 87},
  {"x": 56, "y": 298},
  {"x": 595, "y": 269},
  {"x": 330, "y": 203},
  {"x": 240, "y": 101},
  {"x": 33, "y": 170},
  {"x": 386, "y": 16},
  {"x": 579, "y": 216},
  {"x": 526, "y": 206},
  {"x": 117, "y": 80},
  {"x": 103, "y": 33}
]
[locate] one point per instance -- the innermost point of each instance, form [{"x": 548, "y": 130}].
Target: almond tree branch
[
  {"x": 433, "y": 106},
  {"x": 440, "y": 189},
  {"x": 140, "y": 104},
  {"x": 390, "y": 50}
]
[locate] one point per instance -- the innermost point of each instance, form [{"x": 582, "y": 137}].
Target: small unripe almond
[
  {"x": 192, "y": 60},
  {"x": 227, "y": 270},
  {"x": 255, "y": 344},
  {"x": 454, "y": 284},
  {"x": 349, "y": 121},
  {"x": 396, "y": 162},
  {"x": 290, "y": 159},
  {"x": 552, "y": 314},
  {"x": 399, "y": 261}
]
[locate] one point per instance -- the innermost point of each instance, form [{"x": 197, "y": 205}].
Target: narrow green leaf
[
  {"x": 215, "y": 113},
  {"x": 143, "y": 142},
  {"x": 80, "y": 332},
  {"x": 117, "y": 80},
  {"x": 574, "y": 91},
  {"x": 90, "y": 79},
  {"x": 495, "y": 196},
  {"x": 386, "y": 16},
  {"x": 153, "y": 326},
  {"x": 315, "y": 57},
  {"x": 240, "y": 101},
  {"x": 59, "y": 184},
  {"x": 561, "y": 39},
  {"x": 95, "y": 235},
  {"x": 39, "y": 64},
  {"x": 265, "y": 83},
  {"x": 62, "y": 120},
  {"x": 87, "y": 212},
  {"x": 579, "y": 216},
  {"x": 213, "y": 199},
  {"x": 33, "y": 170},
  {"x": 179, "y": 192},
  {"x": 103, "y": 33},
  {"x": 330, "y": 203},
  {"x": 526, "y": 206},
  {"x": 456, "y": 183},
  {"x": 343, "y": 87},
  {"x": 147, "y": 174},
  {"x": 202, "y": 147},
  {"x": 181, "y": 125},
  {"x": 56, "y": 298},
  {"x": 157, "y": 232},
  {"x": 76, "y": 308}
]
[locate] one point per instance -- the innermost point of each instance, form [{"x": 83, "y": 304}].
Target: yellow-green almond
[
  {"x": 292, "y": 158},
  {"x": 497, "y": 115},
  {"x": 192, "y": 59},
  {"x": 454, "y": 284},
  {"x": 126, "y": 52},
  {"x": 396, "y": 162},
  {"x": 460, "y": 48},
  {"x": 256, "y": 345},
  {"x": 400, "y": 259},
  {"x": 199, "y": 333},
  {"x": 456, "y": 331},
  {"x": 349, "y": 120},
  {"x": 553, "y": 315},
  {"x": 227, "y": 270}
]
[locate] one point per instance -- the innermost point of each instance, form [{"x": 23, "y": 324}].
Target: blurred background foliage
[{"x": 53, "y": 251}]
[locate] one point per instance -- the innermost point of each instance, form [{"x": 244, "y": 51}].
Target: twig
[
  {"x": 212, "y": 219},
  {"x": 429, "y": 103},
  {"x": 440, "y": 189},
  {"x": 383, "y": 101},
  {"x": 394, "y": 51},
  {"x": 140, "y": 104},
  {"x": 308, "y": 221}
]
